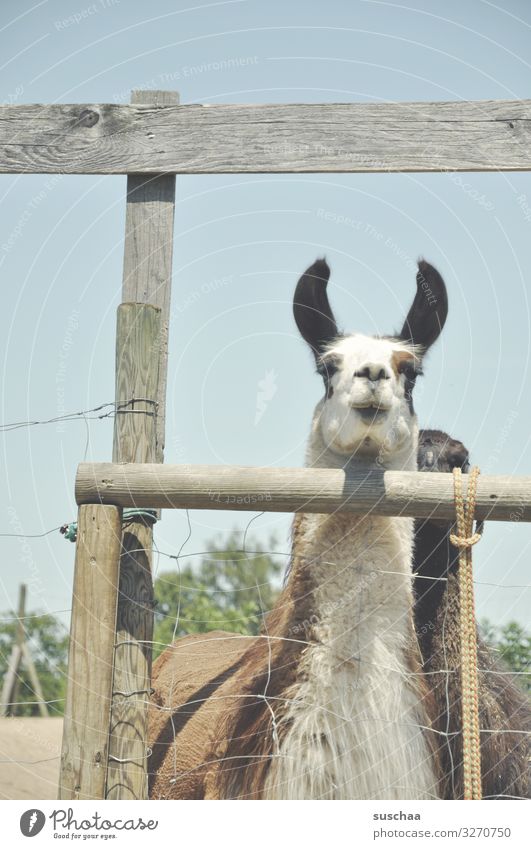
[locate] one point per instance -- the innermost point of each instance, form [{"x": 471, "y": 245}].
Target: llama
[
  {"x": 503, "y": 705},
  {"x": 329, "y": 702}
]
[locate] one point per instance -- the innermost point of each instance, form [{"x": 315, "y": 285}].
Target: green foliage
[
  {"x": 48, "y": 644},
  {"x": 220, "y": 592},
  {"x": 228, "y": 590},
  {"x": 513, "y": 643}
]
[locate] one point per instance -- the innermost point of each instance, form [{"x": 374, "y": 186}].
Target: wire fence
[{"x": 179, "y": 621}]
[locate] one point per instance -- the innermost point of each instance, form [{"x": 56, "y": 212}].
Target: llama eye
[
  {"x": 410, "y": 370},
  {"x": 410, "y": 373},
  {"x": 327, "y": 369}
]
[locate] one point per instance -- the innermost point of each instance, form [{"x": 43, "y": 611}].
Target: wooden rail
[
  {"x": 143, "y": 138},
  {"x": 420, "y": 494}
]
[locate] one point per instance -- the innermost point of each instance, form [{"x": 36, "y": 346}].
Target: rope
[
  {"x": 464, "y": 540},
  {"x": 130, "y": 514}
]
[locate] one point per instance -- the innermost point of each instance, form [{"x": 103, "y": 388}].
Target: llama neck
[
  {"x": 358, "y": 560},
  {"x": 356, "y": 697},
  {"x": 359, "y": 571},
  {"x": 435, "y": 558}
]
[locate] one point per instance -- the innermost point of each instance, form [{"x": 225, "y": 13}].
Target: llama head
[
  {"x": 438, "y": 452},
  {"x": 367, "y": 409}
]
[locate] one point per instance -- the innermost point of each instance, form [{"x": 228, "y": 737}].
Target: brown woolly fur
[
  {"x": 211, "y": 730},
  {"x": 328, "y": 701},
  {"x": 503, "y": 705},
  {"x": 401, "y": 358},
  {"x": 190, "y": 681},
  {"x": 352, "y": 688},
  {"x": 210, "y": 725},
  {"x": 270, "y": 670}
]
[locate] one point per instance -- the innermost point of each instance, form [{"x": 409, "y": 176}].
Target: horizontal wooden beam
[
  {"x": 490, "y": 135},
  {"x": 421, "y": 494}
]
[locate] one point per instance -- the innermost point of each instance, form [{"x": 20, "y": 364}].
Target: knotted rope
[{"x": 464, "y": 540}]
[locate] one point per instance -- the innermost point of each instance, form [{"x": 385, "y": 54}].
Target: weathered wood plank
[
  {"x": 90, "y": 656},
  {"x": 127, "y": 768},
  {"x": 332, "y": 137},
  {"x": 141, "y": 372},
  {"x": 148, "y": 252},
  {"x": 137, "y": 376},
  {"x": 502, "y": 498}
]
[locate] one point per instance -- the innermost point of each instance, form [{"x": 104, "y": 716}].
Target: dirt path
[{"x": 24, "y": 740}]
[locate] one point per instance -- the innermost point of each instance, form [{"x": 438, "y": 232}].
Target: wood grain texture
[
  {"x": 143, "y": 138},
  {"x": 127, "y": 769},
  {"x": 137, "y": 376},
  {"x": 141, "y": 372},
  {"x": 148, "y": 251},
  {"x": 420, "y": 494},
  {"x": 90, "y": 657}
]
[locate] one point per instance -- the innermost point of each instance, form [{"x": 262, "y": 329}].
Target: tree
[
  {"x": 513, "y": 643},
  {"x": 48, "y": 643},
  {"x": 229, "y": 590}
]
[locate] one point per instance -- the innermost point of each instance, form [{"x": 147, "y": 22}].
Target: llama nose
[{"x": 373, "y": 372}]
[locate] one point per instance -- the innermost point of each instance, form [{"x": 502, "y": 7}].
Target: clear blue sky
[{"x": 240, "y": 244}]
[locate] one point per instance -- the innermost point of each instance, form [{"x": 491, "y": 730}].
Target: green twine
[{"x": 69, "y": 531}]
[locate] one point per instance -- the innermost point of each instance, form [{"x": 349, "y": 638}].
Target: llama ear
[
  {"x": 311, "y": 308},
  {"x": 427, "y": 315}
]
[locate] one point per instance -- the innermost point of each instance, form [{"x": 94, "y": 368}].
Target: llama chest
[
  {"x": 354, "y": 729},
  {"x": 353, "y": 734}
]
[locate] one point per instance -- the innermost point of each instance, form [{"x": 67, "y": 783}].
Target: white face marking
[{"x": 367, "y": 408}]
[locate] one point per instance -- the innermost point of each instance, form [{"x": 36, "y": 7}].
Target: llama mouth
[{"x": 370, "y": 413}]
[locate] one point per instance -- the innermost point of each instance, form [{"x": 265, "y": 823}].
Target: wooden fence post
[
  {"x": 90, "y": 657},
  {"x": 137, "y": 373},
  {"x": 148, "y": 253},
  {"x": 19, "y": 654},
  {"x": 148, "y": 256},
  {"x": 11, "y": 687}
]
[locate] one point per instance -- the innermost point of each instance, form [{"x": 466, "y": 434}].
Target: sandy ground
[{"x": 23, "y": 741}]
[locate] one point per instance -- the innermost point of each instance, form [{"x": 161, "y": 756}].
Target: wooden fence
[
  {"x": 417, "y": 494},
  {"x": 104, "y": 752}
]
